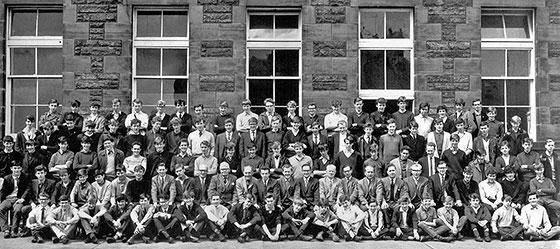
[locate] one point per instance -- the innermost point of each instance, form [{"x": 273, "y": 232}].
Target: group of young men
[{"x": 143, "y": 177}]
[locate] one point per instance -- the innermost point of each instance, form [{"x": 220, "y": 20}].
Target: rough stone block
[
  {"x": 96, "y": 17},
  {"x": 448, "y": 82},
  {"x": 554, "y": 82},
  {"x": 97, "y": 1},
  {"x": 97, "y": 64},
  {"x": 329, "y": 82},
  {"x": 330, "y": 14},
  {"x": 555, "y": 115},
  {"x": 553, "y": 49},
  {"x": 447, "y": 15},
  {"x": 449, "y": 32},
  {"x": 554, "y": 15},
  {"x": 96, "y": 80},
  {"x": 452, "y": 49},
  {"x": 217, "y": 14},
  {"x": 329, "y": 49},
  {"x": 217, "y": 82},
  {"x": 448, "y": 3},
  {"x": 97, "y": 47},
  {"x": 217, "y": 48},
  {"x": 543, "y": 115},
  {"x": 448, "y": 63}
]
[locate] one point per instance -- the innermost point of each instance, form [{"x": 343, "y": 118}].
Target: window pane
[
  {"x": 493, "y": 92},
  {"x": 398, "y": 25},
  {"x": 517, "y": 26},
  {"x": 148, "y": 24},
  {"x": 493, "y": 63},
  {"x": 372, "y": 25},
  {"x": 501, "y": 114},
  {"x": 492, "y": 26},
  {"x": 175, "y": 89},
  {"x": 24, "y": 91},
  {"x": 260, "y": 62},
  {"x": 260, "y": 90},
  {"x": 517, "y": 92},
  {"x": 175, "y": 24},
  {"x": 18, "y": 116},
  {"x": 23, "y": 61},
  {"x": 398, "y": 69},
  {"x": 49, "y": 61},
  {"x": 49, "y": 89},
  {"x": 50, "y": 23},
  {"x": 175, "y": 61},
  {"x": 287, "y": 62},
  {"x": 148, "y": 90},
  {"x": 373, "y": 72},
  {"x": 518, "y": 62},
  {"x": 287, "y": 27},
  {"x": 23, "y": 22},
  {"x": 521, "y": 112},
  {"x": 147, "y": 61},
  {"x": 260, "y": 26},
  {"x": 286, "y": 90}
]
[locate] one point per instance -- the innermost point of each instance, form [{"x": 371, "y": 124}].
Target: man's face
[
  {"x": 156, "y": 125},
  {"x": 507, "y": 203},
  {"x": 246, "y": 108},
  {"x": 65, "y": 177},
  {"x": 252, "y": 151},
  {"x": 460, "y": 127},
  {"x": 368, "y": 130},
  {"x": 270, "y": 202},
  {"x": 381, "y": 107},
  {"x": 224, "y": 171},
  {"x": 459, "y": 108},
  {"x": 549, "y": 146},
  {"x": 247, "y": 172},
  {"x": 136, "y": 150},
  {"x": 138, "y": 174},
  {"x": 402, "y": 105},
  {"x": 430, "y": 150},
  {"x": 52, "y": 107},
  {"x": 335, "y": 109},
  {"x": 40, "y": 175},
  {"x": 120, "y": 174},
  {"x": 491, "y": 116},
  {"x": 189, "y": 202},
  {"x": 198, "y": 110},
  {"x": 16, "y": 170},
  {"x": 204, "y": 148},
  {"x": 269, "y": 107},
  {"x": 28, "y": 123},
  {"x": 113, "y": 128},
  {"x": 199, "y": 126},
  {"x": 359, "y": 105},
  {"x": 373, "y": 206},
  {"x": 442, "y": 113},
  {"x": 491, "y": 178},
  {"x": 312, "y": 110},
  {"x": 297, "y": 208},
  {"x": 475, "y": 202},
  {"x": 455, "y": 143},
  {"x": 533, "y": 200},
  {"x": 8, "y": 145},
  {"x": 82, "y": 179},
  {"x": 442, "y": 169},
  {"x": 448, "y": 205},
  {"x": 291, "y": 108},
  {"x": 298, "y": 150},
  {"x": 296, "y": 125},
  {"x": 391, "y": 128},
  {"x": 108, "y": 144},
  {"x": 144, "y": 202},
  {"x": 510, "y": 175},
  {"x": 484, "y": 130},
  {"x": 467, "y": 176},
  {"x": 179, "y": 171},
  {"x": 183, "y": 147},
  {"x": 248, "y": 202},
  {"x": 426, "y": 203},
  {"x": 30, "y": 148},
  {"x": 43, "y": 201},
  {"x": 160, "y": 108},
  {"x": 253, "y": 126},
  {"x": 346, "y": 204},
  {"x": 161, "y": 171},
  {"x": 527, "y": 147},
  {"x": 342, "y": 127},
  {"x": 100, "y": 179},
  {"x": 64, "y": 204},
  {"x": 504, "y": 150},
  {"x": 94, "y": 109},
  {"x": 180, "y": 107},
  {"x": 230, "y": 152},
  {"x": 116, "y": 106},
  {"x": 159, "y": 146},
  {"x": 135, "y": 127},
  {"x": 392, "y": 172},
  {"x": 265, "y": 174},
  {"x": 424, "y": 111},
  {"x": 540, "y": 174},
  {"x": 137, "y": 107},
  {"x": 369, "y": 172},
  {"x": 121, "y": 204},
  {"x": 275, "y": 124},
  {"x": 477, "y": 106},
  {"x": 48, "y": 131},
  {"x": 416, "y": 173},
  {"x": 404, "y": 154},
  {"x": 515, "y": 125},
  {"x": 163, "y": 202},
  {"x": 413, "y": 130},
  {"x": 228, "y": 126},
  {"x": 347, "y": 172},
  {"x": 439, "y": 126},
  {"x": 287, "y": 172},
  {"x": 404, "y": 205},
  {"x": 215, "y": 200},
  {"x": 222, "y": 110}
]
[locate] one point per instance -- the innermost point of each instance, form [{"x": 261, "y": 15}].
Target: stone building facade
[{"x": 506, "y": 52}]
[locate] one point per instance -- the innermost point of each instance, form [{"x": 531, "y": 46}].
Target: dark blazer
[
  {"x": 221, "y": 141},
  {"x": 121, "y": 118},
  {"x": 60, "y": 190},
  {"x": 234, "y": 164},
  {"x": 367, "y": 191},
  {"x": 439, "y": 187},
  {"x": 182, "y": 187},
  {"x": 186, "y": 122},
  {"x": 417, "y": 146},
  {"x": 448, "y": 125},
  {"x": 384, "y": 186},
  {"x": 201, "y": 190},
  {"x": 275, "y": 172},
  {"x": 48, "y": 188},
  {"x": 478, "y": 144},
  {"x": 287, "y": 189},
  {"x": 310, "y": 193},
  {"x": 224, "y": 186},
  {"x": 165, "y": 187},
  {"x": 252, "y": 215},
  {"x": 264, "y": 125},
  {"x": 411, "y": 220},
  {"x": 416, "y": 191},
  {"x": 363, "y": 146},
  {"x": 260, "y": 143},
  {"x": 165, "y": 126},
  {"x": 334, "y": 143},
  {"x": 424, "y": 162},
  {"x": 271, "y": 187},
  {"x": 548, "y": 168},
  {"x": 313, "y": 148},
  {"x": 101, "y": 162},
  {"x": 24, "y": 187}
]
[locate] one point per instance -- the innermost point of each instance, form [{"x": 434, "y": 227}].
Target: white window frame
[
  {"x": 275, "y": 44},
  {"x": 159, "y": 43},
  {"x": 34, "y": 42},
  {"x": 384, "y": 45},
  {"x": 516, "y": 44}
]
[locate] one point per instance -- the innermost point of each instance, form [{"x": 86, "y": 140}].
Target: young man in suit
[
  {"x": 245, "y": 185},
  {"x": 307, "y": 187},
  {"x": 252, "y": 136},
  {"x": 551, "y": 163},
  {"x": 244, "y": 216},
  {"x": 336, "y": 140},
  {"x": 229, "y": 136},
  {"x": 430, "y": 162},
  {"x": 349, "y": 185},
  {"x": 366, "y": 140},
  {"x": 389, "y": 190},
  {"x": 402, "y": 163},
  {"x": 201, "y": 183},
  {"x": 265, "y": 118},
  {"x": 439, "y": 137},
  {"x": 314, "y": 140},
  {"x": 265, "y": 186},
  {"x": 192, "y": 218},
  {"x": 103, "y": 162},
  {"x": 367, "y": 188},
  {"x": 163, "y": 185},
  {"x": 186, "y": 119},
  {"x": 417, "y": 185},
  {"x": 38, "y": 186},
  {"x": 286, "y": 187},
  {"x": 466, "y": 115},
  {"x": 14, "y": 194},
  {"x": 404, "y": 223},
  {"x": 276, "y": 160},
  {"x": 416, "y": 142},
  {"x": 444, "y": 185},
  {"x": 166, "y": 223},
  {"x": 486, "y": 143},
  {"x": 223, "y": 184}
]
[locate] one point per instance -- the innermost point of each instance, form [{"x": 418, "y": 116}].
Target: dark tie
[
  {"x": 200, "y": 133},
  {"x": 43, "y": 215},
  {"x": 392, "y": 196},
  {"x": 228, "y": 137}
]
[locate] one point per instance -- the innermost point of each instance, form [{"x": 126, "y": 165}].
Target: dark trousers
[
  {"x": 7, "y": 205},
  {"x": 109, "y": 228},
  {"x": 171, "y": 226},
  {"x": 213, "y": 228},
  {"x": 88, "y": 228},
  {"x": 406, "y": 232},
  {"x": 510, "y": 231},
  {"x": 44, "y": 232},
  {"x": 295, "y": 229}
]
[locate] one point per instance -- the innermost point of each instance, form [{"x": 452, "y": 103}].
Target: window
[
  {"x": 507, "y": 63},
  {"x": 34, "y": 63},
  {"x": 161, "y": 56},
  {"x": 274, "y": 58},
  {"x": 386, "y": 52}
]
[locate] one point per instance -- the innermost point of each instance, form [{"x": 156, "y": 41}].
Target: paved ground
[{"x": 24, "y": 243}]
